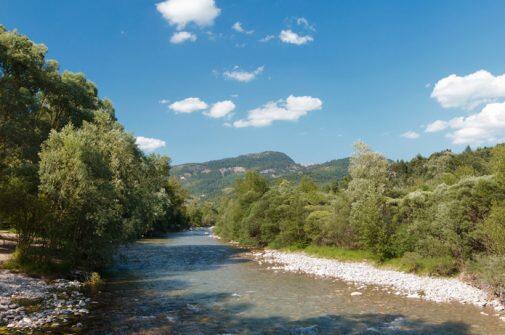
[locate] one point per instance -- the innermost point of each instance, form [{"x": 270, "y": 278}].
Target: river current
[{"x": 190, "y": 283}]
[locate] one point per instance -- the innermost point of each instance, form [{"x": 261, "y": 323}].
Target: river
[{"x": 190, "y": 283}]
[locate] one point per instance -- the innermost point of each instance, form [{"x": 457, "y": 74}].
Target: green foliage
[
  {"x": 430, "y": 216},
  {"x": 94, "y": 281},
  {"x": 73, "y": 183},
  {"x": 434, "y": 266},
  {"x": 341, "y": 254},
  {"x": 494, "y": 229},
  {"x": 367, "y": 189},
  {"x": 491, "y": 271}
]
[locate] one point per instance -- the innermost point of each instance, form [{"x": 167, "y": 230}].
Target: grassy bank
[{"x": 411, "y": 262}]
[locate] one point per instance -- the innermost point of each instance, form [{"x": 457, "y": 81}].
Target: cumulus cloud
[
  {"x": 149, "y": 144},
  {"x": 411, "y": 135},
  {"x": 237, "y": 26},
  {"x": 243, "y": 76},
  {"x": 469, "y": 91},
  {"x": 485, "y": 127},
  {"x": 188, "y": 105},
  {"x": 221, "y": 109},
  {"x": 289, "y": 36},
  {"x": 182, "y": 36},
  {"x": 437, "y": 126},
  {"x": 290, "y": 109},
  {"x": 180, "y": 13}
]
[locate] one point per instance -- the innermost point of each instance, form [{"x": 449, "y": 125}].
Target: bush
[
  {"x": 494, "y": 229},
  {"x": 491, "y": 270},
  {"x": 433, "y": 266}
]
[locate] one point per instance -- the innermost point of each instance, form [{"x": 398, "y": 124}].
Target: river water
[{"x": 190, "y": 283}]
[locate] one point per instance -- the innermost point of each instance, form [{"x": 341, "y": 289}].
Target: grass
[
  {"x": 35, "y": 265},
  {"x": 410, "y": 262},
  {"x": 341, "y": 254},
  {"x": 433, "y": 266},
  {"x": 347, "y": 255}
]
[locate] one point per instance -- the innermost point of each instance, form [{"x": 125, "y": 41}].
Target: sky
[{"x": 206, "y": 79}]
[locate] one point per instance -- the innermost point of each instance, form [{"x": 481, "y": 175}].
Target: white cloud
[
  {"x": 411, "y": 135},
  {"x": 164, "y": 101},
  {"x": 221, "y": 109},
  {"x": 243, "y": 76},
  {"x": 267, "y": 38},
  {"x": 437, "y": 126},
  {"x": 188, "y": 105},
  {"x": 237, "y": 26},
  {"x": 149, "y": 144},
  {"x": 182, "y": 36},
  {"x": 290, "y": 109},
  {"x": 485, "y": 127},
  {"x": 301, "y": 21},
  {"x": 289, "y": 36},
  {"x": 182, "y": 12},
  {"x": 469, "y": 91}
]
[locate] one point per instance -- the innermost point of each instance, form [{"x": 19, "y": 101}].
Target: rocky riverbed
[
  {"x": 398, "y": 283},
  {"x": 32, "y": 304}
]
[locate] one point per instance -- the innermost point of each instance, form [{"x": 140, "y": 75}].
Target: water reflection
[{"x": 191, "y": 284}]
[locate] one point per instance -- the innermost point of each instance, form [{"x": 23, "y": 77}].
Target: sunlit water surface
[{"x": 189, "y": 283}]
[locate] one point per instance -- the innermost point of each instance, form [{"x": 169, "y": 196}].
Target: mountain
[{"x": 209, "y": 179}]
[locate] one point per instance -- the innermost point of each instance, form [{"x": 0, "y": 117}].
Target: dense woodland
[
  {"x": 440, "y": 215},
  {"x": 73, "y": 184}
]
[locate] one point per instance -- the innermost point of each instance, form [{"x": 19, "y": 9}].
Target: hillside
[{"x": 210, "y": 178}]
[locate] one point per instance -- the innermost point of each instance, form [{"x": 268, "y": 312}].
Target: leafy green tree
[{"x": 367, "y": 189}]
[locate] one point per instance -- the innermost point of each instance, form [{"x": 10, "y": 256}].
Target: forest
[
  {"x": 73, "y": 183},
  {"x": 443, "y": 215}
]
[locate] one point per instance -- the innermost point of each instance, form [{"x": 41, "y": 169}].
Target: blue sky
[{"x": 331, "y": 72}]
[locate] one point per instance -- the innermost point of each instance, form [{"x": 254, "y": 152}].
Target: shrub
[
  {"x": 434, "y": 266},
  {"x": 491, "y": 270},
  {"x": 494, "y": 229}
]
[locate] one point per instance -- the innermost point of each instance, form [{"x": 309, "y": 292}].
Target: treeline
[
  {"x": 73, "y": 184},
  {"x": 439, "y": 215}
]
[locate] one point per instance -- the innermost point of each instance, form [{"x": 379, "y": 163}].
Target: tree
[{"x": 367, "y": 188}]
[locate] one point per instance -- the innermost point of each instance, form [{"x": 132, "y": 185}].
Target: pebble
[
  {"x": 406, "y": 284},
  {"x": 54, "y": 301},
  {"x": 356, "y": 293}
]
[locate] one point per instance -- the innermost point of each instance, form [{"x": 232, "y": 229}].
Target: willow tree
[{"x": 367, "y": 189}]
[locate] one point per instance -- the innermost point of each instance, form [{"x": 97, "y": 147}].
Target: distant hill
[{"x": 211, "y": 178}]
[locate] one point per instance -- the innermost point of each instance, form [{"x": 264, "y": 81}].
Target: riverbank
[
  {"x": 363, "y": 274},
  {"x": 28, "y": 304}
]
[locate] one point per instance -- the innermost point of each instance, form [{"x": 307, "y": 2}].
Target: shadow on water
[
  {"x": 144, "y": 296},
  {"x": 189, "y": 316}
]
